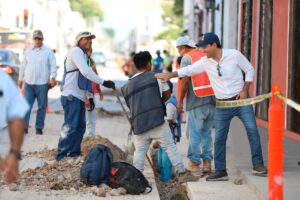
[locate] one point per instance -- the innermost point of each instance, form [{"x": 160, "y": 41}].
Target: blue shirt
[
  {"x": 38, "y": 66},
  {"x": 12, "y": 104}
]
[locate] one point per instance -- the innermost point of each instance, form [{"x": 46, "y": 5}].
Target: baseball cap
[
  {"x": 37, "y": 34},
  {"x": 185, "y": 40},
  {"x": 83, "y": 34},
  {"x": 208, "y": 38}
]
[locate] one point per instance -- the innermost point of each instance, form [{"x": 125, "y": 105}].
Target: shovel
[{"x": 130, "y": 146}]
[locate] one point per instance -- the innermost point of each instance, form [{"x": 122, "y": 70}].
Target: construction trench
[{"x": 65, "y": 175}]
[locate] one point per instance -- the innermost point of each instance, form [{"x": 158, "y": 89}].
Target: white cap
[
  {"x": 185, "y": 40},
  {"x": 83, "y": 34}
]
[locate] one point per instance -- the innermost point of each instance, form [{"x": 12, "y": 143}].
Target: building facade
[{"x": 267, "y": 32}]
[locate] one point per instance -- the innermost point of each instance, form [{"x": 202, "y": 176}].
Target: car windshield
[{"x": 3, "y": 56}]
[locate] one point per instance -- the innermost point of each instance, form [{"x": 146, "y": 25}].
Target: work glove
[
  {"x": 109, "y": 84},
  {"x": 92, "y": 105}
]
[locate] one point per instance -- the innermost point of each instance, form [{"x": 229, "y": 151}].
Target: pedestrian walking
[
  {"x": 37, "y": 74},
  {"x": 158, "y": 63},
  {"x": 224, "y": 68},
  {"x": 91, "y": 112},
  {"x": 12, "y": 111},
  {"x": 200, "y": 105},
  {"x": 76, "y": 82},
  {"x": 145, "y": 97}
]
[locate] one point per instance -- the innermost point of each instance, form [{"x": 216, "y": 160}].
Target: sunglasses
[
  {"x": 218, "y": 68},
  {"x": 86, "y": 33},
  {"x": 37, "y": 39}
]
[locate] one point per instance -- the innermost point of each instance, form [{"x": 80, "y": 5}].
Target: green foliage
[
  {"x": 88, "y": 8},
  {"x": 173, "y": 19}
]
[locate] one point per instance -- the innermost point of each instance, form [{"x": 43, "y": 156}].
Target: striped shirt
[{"x": 38, "y": 66}]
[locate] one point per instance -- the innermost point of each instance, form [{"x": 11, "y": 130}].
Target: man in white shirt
[
  {"x": 75, "y": 84},
  {"x": 224, "y": 68},
  {"x": 12, "y": 111},
  {"x": 38, "y": 72}
]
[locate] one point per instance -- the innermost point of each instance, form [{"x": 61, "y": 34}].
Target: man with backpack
[
  {"x": 145, "y": 97},
  {"x": 75, "y": 84}
]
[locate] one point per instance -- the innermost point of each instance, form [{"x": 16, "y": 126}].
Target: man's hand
[
  {"x": 52, "y": 83},
  {"x": 92, "y": 104},
  {"x": 9, "y": 168},
  {"x": 180, "y": 107},
  {"x": 109, "y": 84},
  {"x": 242, "y": 95},
  {"x": 20, "y": 84},
  {"x": 101, "y": 95}
]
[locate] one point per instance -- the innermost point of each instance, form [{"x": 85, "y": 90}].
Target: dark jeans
[
  {"x": 223, "y": 117},
  {"x": 72, "y": 129},
  {"x": 39, "y": 92}
]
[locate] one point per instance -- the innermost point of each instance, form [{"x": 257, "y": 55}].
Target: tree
[
  {"x": 88, "y": 8},
  {"x": 172, "y": 18}
]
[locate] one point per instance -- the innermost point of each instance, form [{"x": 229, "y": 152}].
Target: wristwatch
[{"x": 16, "y": 153}]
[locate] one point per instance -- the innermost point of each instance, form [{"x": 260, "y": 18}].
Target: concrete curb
[{"x": 236, "y": 172}]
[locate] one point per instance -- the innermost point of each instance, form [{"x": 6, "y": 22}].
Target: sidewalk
[
  {"x": 239, "y": 166},
  {"x": 238, "y": 152}
]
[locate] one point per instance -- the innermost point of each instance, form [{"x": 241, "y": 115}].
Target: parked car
[
  {"x": 10, "y": 63},
  {"x": 99, "y": 58}
]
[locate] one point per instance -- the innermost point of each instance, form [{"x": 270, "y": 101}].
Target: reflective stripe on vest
[{"x": 200, "y": 82}]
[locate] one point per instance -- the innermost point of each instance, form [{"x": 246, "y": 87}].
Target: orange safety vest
[{"x": 200, "y": 82}]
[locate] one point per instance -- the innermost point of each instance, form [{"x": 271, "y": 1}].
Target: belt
[{"x": 236, "y": 97}]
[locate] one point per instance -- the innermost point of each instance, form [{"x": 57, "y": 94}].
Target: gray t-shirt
[{"x": 192, "y": 100}]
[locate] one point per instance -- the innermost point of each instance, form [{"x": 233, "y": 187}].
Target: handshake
[{"x": 109, "y": 84}]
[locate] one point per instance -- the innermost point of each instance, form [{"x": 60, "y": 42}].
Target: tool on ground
[{"x": 130, "y": 146}]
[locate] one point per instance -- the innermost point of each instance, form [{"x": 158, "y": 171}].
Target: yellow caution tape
[
  {"x": 289, "y": 102},
  {"x": 242, "y": 102}
]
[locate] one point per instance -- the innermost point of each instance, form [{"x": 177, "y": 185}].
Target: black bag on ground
[
  {"x": 127, "y": 176},
  {"x": 97, "y": 166}
]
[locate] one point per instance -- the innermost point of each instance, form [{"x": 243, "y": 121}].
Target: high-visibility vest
[{"x": 200, "y": 82}]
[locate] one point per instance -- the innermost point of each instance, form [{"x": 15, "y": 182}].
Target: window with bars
[
  {"x": 246, "y": 28},
  {"x": 293, "y": 121},
  {"x": 264, "y": 56}
]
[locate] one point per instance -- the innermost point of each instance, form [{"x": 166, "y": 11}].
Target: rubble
[{"x": 64, "y": 174}]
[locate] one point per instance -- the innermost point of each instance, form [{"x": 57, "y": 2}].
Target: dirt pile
[{"x": 64, "y": 174}]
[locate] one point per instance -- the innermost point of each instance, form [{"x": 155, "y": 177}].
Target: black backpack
[
  {"x": 127, "y": 176},
  {"x": 97, "y": 166}
]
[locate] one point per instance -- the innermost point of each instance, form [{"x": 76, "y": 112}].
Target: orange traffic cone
[{"x": 48, "y": 110}]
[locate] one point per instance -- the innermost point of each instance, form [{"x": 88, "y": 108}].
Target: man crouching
[{"x": 145, "y": 96}]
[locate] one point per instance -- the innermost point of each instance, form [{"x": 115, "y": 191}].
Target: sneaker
[
  {"x": 187, "y": 176},
  {"x": 260, "y": 170},
  {"x": 206, "y": 166},
  {"x": 26, "y": 130},
  {"x": 218, "y": 176},
  {"x": 39, "y": 131}
]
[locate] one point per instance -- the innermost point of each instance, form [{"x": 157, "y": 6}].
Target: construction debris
[{"x": 64, "y": 174}]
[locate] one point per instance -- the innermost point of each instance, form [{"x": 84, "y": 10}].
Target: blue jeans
[
  {"x": 39, "y": 92},
  {"x": 200, "y": 123},
  {"x": 223, "y": 118},
  {"x": 72, "y": 129}
]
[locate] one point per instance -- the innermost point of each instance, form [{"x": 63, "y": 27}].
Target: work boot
[
  {"x": 218, "y": 176},
  {"x": 206, "y": 166},
  {"x": 194, "y": 168},
  {"x": 260, "y": 170},
  {"x": 39, "y": 131},
  {"x": 187, "y": 176}
]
